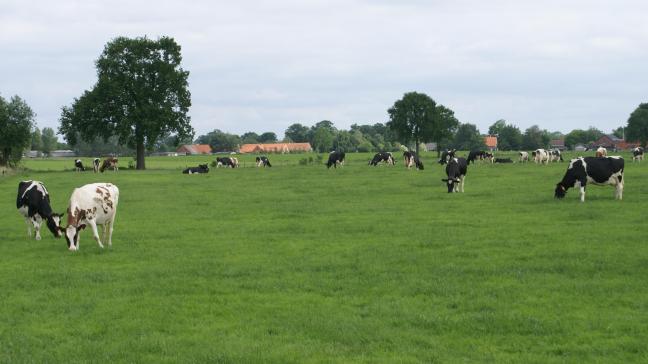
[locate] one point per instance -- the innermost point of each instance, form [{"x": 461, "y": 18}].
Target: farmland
[{"x": 297, "y": 263}]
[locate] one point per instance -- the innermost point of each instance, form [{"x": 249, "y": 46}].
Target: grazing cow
[
  {"x": 33, "y": 203},
  {"x": 541, "y": 156},
  {"x": 637, "y": 154},
  {"x": 412, "y": 159},
  {"x": 226, "y": 162},
  {"x": 202, "y": 168},
  {"x": 446, "y": 156},
  {"x": 78, "y": 165},
  {"x": 502, "y": 160},
  {"x": 596, "y": 170},
  {"x": 555, "y": 155},
  {"x": 95, "y": 165},
  {"x": 93, "y": 204},
  {"x": 456, "y": 171},
  {"x": 474, "y": 155},
  {"x": 524, "y": 156},
  {"x": 382, "y": 157},
  {"x": 335, "y": 158},
  {"x": 489, "y": 156},
  {"x": 109, "y": 162},
  {"x": 601, "y": 152},
  {"x": 263, "y": 161}
]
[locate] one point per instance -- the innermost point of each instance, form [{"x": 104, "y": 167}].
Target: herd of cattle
[{"x": 96, "y": 203}]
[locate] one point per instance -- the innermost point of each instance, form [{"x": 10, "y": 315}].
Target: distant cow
[
  {"x": 263, "y": 161},
  {"x": 596, "y": 170},
  {"x": 382, "y": 157},
  {"x": 456, "y": 171},
  {"x": 95, "y": 165},
  {"x": 637, "y": 154},
  {"x": 489, "y": 156},
  {"x": 78, "y": 165},
  {"x": 475, "y": 155},
  {"x": 502, "y": 160},
  {"x": 524, "y": 156},
  {"x": 335, "y": 158},
  {"x": 601, "y": 152},
  {"x": 446, "y": 155},
  {"x": 110, "y": 163},
  {"x": 541, "y": 156},
  {"x": 33, "y": 203},
  {"x": 93, "y": 204},
  {"x": 411, "y": 159},
  {"x": 555, "y": 155},
  {"x": 202, "y": 168},
  {"x": 226, "y": 162}
]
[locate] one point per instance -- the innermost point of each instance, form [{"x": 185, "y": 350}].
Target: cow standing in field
[
  {"x": 596, "y": 170},
  {"x": 95, "y": 165},
  {"x": 489, "y": 157},
  {"x": 555, "y": 155},
  {"x": 601, "y": 152},
  {"x": 335, "y": 158},
  {"x": 78, "y": 165},
  {"x": 411, "y": 159},
  {"x": 456, "y": 170},
  {"x": 386, "y": 157},
  {"x": 446, "y": 156},
  {"x": 202, "y": 168},
  {"x": 541, "y": 156},
  {"x": 33, "y": 203},
  {"x": 93, "y": 204},
  {"x": 226, "y": 162},
  {"x": 637, "y": 154},
  {"x": 475, "y": 155},
  {"x": 524, "y": 157},
  {"x": 263, "y": 161},
  {"x": 110, "y": 163}
]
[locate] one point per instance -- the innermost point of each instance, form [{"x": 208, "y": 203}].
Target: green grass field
[{"x": 303, "y": 264}]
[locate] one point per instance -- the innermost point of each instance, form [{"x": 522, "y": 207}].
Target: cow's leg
[
  {"x": 110, "y": 228},
  {"x": 462, "y": 178},
  {"x": 619, "y": 190},
  {"x": 93, "y": 225},
  {"x": 29, "y": 226},
  {"x": 582, "y": 193},
  {"x": 36, "y": 220}
]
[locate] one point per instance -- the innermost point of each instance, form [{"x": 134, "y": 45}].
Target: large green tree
[
  {"x": 16, "y": 121},
  {"x": 535, "y": 138},
  {"x": 50, "y": 140},
  {"x": 468, "y": 138},
  {"x": 220, "y": 141},
  {"x": 509, "y": 136},
  {"x": 268, "y": 137},
  {"x": 141, "y": 96},
  {"x": 298, "y": 133},
  {"x": 417, "y": 118},
  {"x": 637, "y": 129}
]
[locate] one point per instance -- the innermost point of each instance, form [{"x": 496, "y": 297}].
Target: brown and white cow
[
  {"x": 109, "y": 162},
  {"x": 91, "y": 205},
  {"x": 601, "y": 152}
]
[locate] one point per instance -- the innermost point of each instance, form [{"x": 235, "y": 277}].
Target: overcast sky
[{"x": 263, "y": 65}]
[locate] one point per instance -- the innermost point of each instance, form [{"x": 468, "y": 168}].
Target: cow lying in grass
[
  {"x": 202, "y": 168},
  {"x": 226, "y": 162}
]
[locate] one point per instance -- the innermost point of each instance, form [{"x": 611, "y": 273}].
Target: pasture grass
[{"x": 303, "y": 264}]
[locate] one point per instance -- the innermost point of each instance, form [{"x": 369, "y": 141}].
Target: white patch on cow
[{"x": 98, "y": 208}]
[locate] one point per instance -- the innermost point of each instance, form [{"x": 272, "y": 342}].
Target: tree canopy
[
  {"x": 468, "y": 138},
  {"x": 638, "y": 125},
  {"x": 16, "y": 122},
  {"x": 141, "y": 96}
]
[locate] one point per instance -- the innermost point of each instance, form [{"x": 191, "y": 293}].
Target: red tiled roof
[
  {"x": 490, "y": 141},
  {"x": 195, "y": 149},
  {"x": 275, "y": 148}
]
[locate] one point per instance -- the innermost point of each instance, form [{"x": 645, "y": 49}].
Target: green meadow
[{"x": 297, "y": 263}]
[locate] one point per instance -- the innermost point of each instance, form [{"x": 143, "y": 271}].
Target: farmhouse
[
  {"x": 192, "y": 149},
  {"x": 276, "y": 148},
  {"x": 557, "y": 144},
  {"x": 611, "y": 142},
  {"x": 491, "y": 142}
]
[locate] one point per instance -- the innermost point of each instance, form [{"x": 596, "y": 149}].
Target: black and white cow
[
  {"x": 202, "y": 168},
  {"x": 382, "y": 157},
  {"x": 411, "y": 159},
  {"x": 541, "y": 156},
  {"x": 226, "y": 162},
  {"x": 637, "y": 154},
  {"x": 596, "y": 170},
  {"x": 456, "y": 171},
  {"x": 33, "y": 203},
  {"x": 502, "y": 160},
  {"x": 555, "y": 155},
  {"x": 91, "y": 205},
  {"x": 78, "y": 165},
  {"x": 489, "y": 156},
  {"x": 524, "y": 156},
  {"x": 335, "y": 158},
  {"x": 446, "y": 155},
  {"x": 263, "y": 161},
  {"x": 475, "y": 155},
  {"x": 95, "y": 165}
]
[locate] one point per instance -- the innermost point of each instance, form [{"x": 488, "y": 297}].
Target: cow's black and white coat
[
  {"x": 524, "y": 156},
  {"x": 263, "y": 161},
  {"x": 78, "y": 165},
  {"x": 202, "y": 168},
  {"x": 456, "y": 170},
  {"x": 541, "y": 156},
  {"x": 555, "y": 155},
  {"x": 411, "y": 159},
  {"x": 596, "y": 170},
  {"x": 385, "y": 157},
  {"x": 446, "y": 155},
  {"x": 335, "y": 158},
  {"x": 226, "y": 162},
  {"x": 475, "y": 155},
  {"x": 637, "y": 154},
  {"x": 33, "y": 203},
  {"x": 95, "y": 165}
]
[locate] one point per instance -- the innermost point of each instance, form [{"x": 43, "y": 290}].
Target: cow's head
[
  {"x": 561, "y": 191},
  {"x": 450, "y": 182},
  {"x": 54, "y": 224},
  {"x": 72, "y": 236}
]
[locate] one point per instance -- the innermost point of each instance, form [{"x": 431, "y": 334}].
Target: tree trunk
[
  {"x": 140, "y": 155},
  {"x": 417, "y": 146}
]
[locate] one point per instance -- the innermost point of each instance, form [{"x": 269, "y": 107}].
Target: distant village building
[
  {"x": 611, "y": 142},
  {"x": 32, "y": 154},
  {"x": 580, "y": 148},
  {"x": 429, "y": 147},
  {"x": 557, "y": 144},
  {"x": 62, "y": 153},
  {"x": 164, "y": 154},
  {"x": 491, "y": 142},
  {"x": 192, "y": 149},
  {"x": 276, "y": 148}
]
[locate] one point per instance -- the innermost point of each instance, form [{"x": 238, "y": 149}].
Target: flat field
[{"x": 297, "y": 263}]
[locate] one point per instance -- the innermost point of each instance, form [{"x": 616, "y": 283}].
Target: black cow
[
  {"x": 335, "y": 158},
  {"x": 382, "y": 157},
  {"x": 202, "y": 168},
  {"x": 456, "y": 171},
  {"x": 78, "y": 165},
  {"x": 95, "y": 165},
  {"x": 502, "y": 160},
  {"x": 33, "y": 203},
  {"x": 474, "y": 155},
  {"x": 596, "y": 170},
  {"x": 637, "y": 154},
  {"x": 227, "y": 162},
  {"x": 411, "y": 159},
  {"x": 446, "y": 156},
  {"x": 263, "y": 161}
]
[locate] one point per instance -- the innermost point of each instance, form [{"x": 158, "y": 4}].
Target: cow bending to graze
[
  {"x": 263, "y": 161},
  {"x": 596, "y": 170},
  {"x": 601, "y": 152},
  {"x": 541, "y": 156},
  {"x": 110, "y": 163},
  {"x": 456, "y": 171},
  {"x": 382, "y": 157},
  {"x": 555, "y": 155},
  {"x": 226, "y": 162},
  {"x": 33, "y": 203},
  {"x": 95, "y": 165},
  {"x": 502, "y": 160},
  {"x": 489, "y": 156},
  {"x": 446, "y": 156},
  {"x": 93, "y": 204},
  {"x": 524, "y": 156},
  {"x": 335, "y": 158},
  {"x": 411, "y": 159},
  {"x": 475, "y": 155},
  {"x": 637, "y": 154},
  {"x": 202, "y": 168},
  {"x": 78, "y": 165}
]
